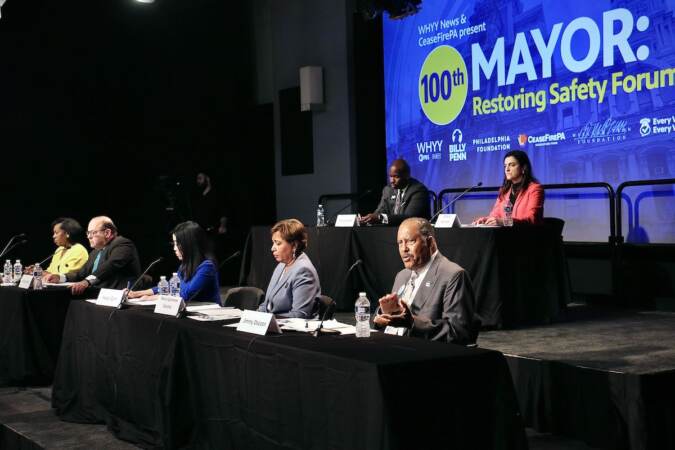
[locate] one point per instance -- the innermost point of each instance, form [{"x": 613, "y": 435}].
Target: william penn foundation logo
[
  {"x": 522, "y": 140},
  {"x": 443, "y": 85}
]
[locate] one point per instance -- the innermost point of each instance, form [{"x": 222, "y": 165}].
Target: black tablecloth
[
  {"x": 165, "y": 382},
  {"x": 519, "y": 274},
  {"x": 31, "y": 323}
]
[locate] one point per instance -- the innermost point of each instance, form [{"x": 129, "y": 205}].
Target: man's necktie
[
  {"x": 96, "y": 261},
  {"x": 409, "y": 289},
  {"x": 397, "y": 205}
]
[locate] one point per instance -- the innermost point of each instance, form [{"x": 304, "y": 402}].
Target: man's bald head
[
  {"x": 101, "y": 231},
  {"x": 399, "y": 174}
]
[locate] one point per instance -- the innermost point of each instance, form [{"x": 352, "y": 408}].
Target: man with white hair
[{"x": 113, "y": 260}]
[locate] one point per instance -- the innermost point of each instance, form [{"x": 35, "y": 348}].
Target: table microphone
[
  {"x": 16, "y": 244},
  {"x": 126, "y": 294},
  {"x": 46, "y": 259},
  {"x": 452, "y": 202},
  {"x": 351, "y": 202},
  {"x": 319, "y": 330},
  {"x": 4, "y": 250}
]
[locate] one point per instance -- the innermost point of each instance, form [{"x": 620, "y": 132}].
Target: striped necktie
[{"x": 397, "y": 205}]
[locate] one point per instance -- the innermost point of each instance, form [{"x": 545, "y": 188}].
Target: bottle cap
[
  {"x": 362, "y": 294},
  {"x": 175, "y": 274},
  {"x": 162, "y": 277}
]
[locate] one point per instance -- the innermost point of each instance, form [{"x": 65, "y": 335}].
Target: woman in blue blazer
[
  {"x": 198, "y": 271},
  {"x": 295, "y": 284}
]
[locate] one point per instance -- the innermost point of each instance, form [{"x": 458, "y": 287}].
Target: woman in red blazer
[{"x": 522, "y": 189}]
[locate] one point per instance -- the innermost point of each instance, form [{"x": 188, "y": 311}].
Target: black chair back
[
  {"x": 325, "y": 307},
  {"x": 554, "y": 223},
  {"x": 245, "y": 297}
]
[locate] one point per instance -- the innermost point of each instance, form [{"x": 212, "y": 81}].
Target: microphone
[
  {"x": 16, "y": 244},
  {"x": 126, "y": 294},
  {"x": 452, "y": 202},
  {"x": 18, "y": 236},
  {"x": 319, "y": 330},
  {"x": 46, "y": 259},
  {"x": 231, "y": 257},
  {"x": 351, "y": 202}
]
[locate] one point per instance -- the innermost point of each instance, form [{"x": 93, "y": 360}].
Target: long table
[
  {"x": 31, "y": 323},
  {"x": 163, "y": 382},
  {"x": 519, "y": 274}
]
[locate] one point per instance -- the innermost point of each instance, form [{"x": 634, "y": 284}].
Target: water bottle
[
  {"x": 508, "y": 218},
  {"x": 320, "y": 217},
  {"x": 18, "y": 270},
  {"x": 174, "y": 285},
  {"x": 7, "y": 272},
  {"x": 163, "y": 286},
  {"x": 37, "y": 277},
  {"x": 362, "y": 314}
]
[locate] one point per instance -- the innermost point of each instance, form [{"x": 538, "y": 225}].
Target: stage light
[
  {"x": 2, "y": 2},
  {"x": 145, "y": 1},
  {"x": 397, "y": 9}
]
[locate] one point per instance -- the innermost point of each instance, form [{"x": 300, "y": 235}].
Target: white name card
[
  {"x": 448, "y": 221},
  {"x": 345, "y": 220},
  {"x": 24, "y": 282},
  {"x": 257, "y": 322},
  {"x": 110, "y": 297},
  {"x": 168, "y": 305},
  {"x": 396, "y": 331}
]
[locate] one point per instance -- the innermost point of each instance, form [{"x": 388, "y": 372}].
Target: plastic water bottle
[
  {"x": 320, "y": 217},
  {"x": 7, "y": 272},
  {"x": 508, "y": 218},
  {"x": 163, "y": 286},
  {"x": 174, "y": 285},
  {"x": 18, "y": 270},
  {"x": 362, "y": 314},
  {"x": 37, "y": 277}
]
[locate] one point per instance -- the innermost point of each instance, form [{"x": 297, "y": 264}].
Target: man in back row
[
  {"x": 113, "y": 261},
  {"x": 403, "y": 197}
]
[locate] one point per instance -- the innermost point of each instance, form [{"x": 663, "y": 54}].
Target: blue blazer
[
  {"x": 204, "y": 285},
  {"x": 293, "y": 294}
]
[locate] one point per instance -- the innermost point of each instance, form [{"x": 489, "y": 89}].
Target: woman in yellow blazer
[{"x": 70, "y": 255}]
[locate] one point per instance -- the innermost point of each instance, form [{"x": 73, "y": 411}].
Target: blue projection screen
[{"x": 586, "y": 88}]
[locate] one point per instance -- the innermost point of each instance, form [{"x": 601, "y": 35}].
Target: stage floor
[{"x": 614, "y": 340}]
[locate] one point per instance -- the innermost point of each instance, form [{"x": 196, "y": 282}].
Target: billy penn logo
[{"x": 443, "y": 85}]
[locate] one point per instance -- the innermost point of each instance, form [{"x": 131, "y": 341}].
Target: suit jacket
[
  {"x": 118, "y": 265},
  {"x": 415, "y": 202},
  {"x": 294, "y": 293},
  {"x": 529, "y": 206},
  {"x": 443, "y": 307}
]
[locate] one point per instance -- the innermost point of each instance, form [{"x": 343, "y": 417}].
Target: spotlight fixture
[
  {"x": 2, "y": 2},
  {"x": 145, "y": 1}
]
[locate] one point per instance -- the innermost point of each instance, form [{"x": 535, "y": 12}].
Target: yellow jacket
[{"x": 68, "y": 259}]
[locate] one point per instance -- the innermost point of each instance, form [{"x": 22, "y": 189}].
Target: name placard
[
  {"x": 448, "y": 221},
  {"x": 345, "y": 220},
  {"x": 168, "y": 305},
  {"x": 257, "y": 322},
  {"x": 396, "y": 331},
  {"x": 110, "y": 297},
  {"x": 25, "y": 281}
]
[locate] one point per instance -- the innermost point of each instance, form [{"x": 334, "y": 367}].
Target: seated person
[
  {"x": 433, "y": 297},
  {"x": 404, "y": 197},
  {"x": 198, "y": 271},
  {"x": 522, "y": 189},
  {"x": 294, "y": 286},
  {"x": 113, "y": 261},
  {"x": 70, "y": 254}
]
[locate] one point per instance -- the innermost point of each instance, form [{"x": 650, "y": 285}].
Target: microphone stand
[
  {"x": 126, "y": 294},
  {"x": 9, "y": 250},
  {"x": 452, "y": 202},
  {"x": 319, "y": 330},
  {"x": 4, "y": 250},
  {"x": 229, "y": 258}
]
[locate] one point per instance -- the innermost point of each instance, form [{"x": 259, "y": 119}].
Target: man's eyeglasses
[{"x": 92, "y": 232}]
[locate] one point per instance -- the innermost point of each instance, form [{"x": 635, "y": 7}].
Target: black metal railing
[{"x": 619, "y": 192}]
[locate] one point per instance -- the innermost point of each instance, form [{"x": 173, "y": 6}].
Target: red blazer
[{"x": 529, "y": 207}]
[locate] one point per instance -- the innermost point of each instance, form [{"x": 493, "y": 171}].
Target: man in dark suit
[
  {"x": 432, "y": 297},
  {"x": 113, "y": 261},
  {"x": 404, "y": 197}
]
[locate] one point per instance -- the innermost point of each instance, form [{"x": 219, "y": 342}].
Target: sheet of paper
[
  {"x": 68, "y": 283},
  {"x": 202, "y": 306},
  {"x": 139, "y": 302}
]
